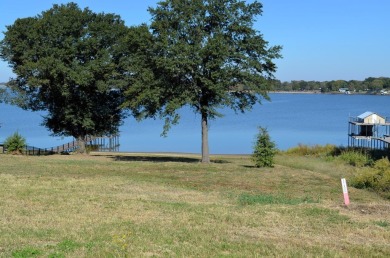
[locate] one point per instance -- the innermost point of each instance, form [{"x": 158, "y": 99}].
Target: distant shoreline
[
  {"x": 296, "y": 92},
  {"x": 330, "y": 93}
]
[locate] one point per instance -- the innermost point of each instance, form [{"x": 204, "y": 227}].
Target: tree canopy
[
  {"x": 207, "y": 55},
  {"x": 68, "y": 61}
]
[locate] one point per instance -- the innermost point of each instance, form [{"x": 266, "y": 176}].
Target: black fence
[
  {"x": 30, "y": 150},
  {"x": 109, "y": 143}
]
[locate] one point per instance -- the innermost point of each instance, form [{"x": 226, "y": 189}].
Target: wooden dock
[
  {"x": 369, "y": 142},
  {"x": 369, "y": 130}
]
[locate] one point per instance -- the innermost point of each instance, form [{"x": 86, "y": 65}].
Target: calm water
[{"x": 291, "y": 119}]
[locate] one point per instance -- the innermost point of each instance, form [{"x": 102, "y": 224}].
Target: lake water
[{"x": 291, "y": 119}]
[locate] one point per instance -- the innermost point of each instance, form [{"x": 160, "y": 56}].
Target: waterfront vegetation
[
  {"x": 370, "y": 85},
  {"x": 264, "y": 149},
  {"x": 15, "y": 143},
  {"x": 373, "y": 165},
  {"x": 139, "y": 205}
]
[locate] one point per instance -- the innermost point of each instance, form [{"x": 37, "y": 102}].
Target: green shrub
[
  {"x": 316, "y": 150},
  {"x": 92, "y": 147},
  {"x": 382, "y": 164},
  {"x": 376, "y": 178},
  {"x": 264, "y": 149},
  {"x": 355, "y": 158},
  {"x": 365, "y": 179},
  {"x": 15, "y": 143}
]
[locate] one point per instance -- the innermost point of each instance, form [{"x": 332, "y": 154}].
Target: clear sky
[{"x": 322, "y": 40}]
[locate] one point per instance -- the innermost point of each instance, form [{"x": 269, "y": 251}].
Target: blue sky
[{"x": 322, "y": 39}]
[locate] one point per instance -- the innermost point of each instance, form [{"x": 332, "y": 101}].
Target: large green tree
[
  {"x": 205, "y": 54},
  {"x": 68, "y": 61}
]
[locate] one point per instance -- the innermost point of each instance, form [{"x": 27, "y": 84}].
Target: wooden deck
[{"x": 369, "y": 142}]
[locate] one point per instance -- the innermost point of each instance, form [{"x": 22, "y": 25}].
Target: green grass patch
[
  {"x": 68, "y": 245},
  {"x": 329, "y": 215},
  {"x": 27, "y": 252},
  {"x": 250, "y": 199},
  {"x": 382, "y": 223}
]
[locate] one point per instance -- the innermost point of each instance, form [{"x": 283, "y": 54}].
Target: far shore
[
  {"x": 332, "y": 92},
  {"x": 296, "y": 92}
]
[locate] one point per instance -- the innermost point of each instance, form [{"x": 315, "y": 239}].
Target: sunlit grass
[{"x": 171, "y": 205}]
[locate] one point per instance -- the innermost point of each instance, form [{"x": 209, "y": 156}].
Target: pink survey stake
[{"x": 345, "y": 191}]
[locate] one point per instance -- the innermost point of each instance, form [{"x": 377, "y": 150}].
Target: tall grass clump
[
  {"x": 316, "y": 150},
  {"x": 15, "y": 143},
  {"x": 264, "y": 149},
  {"x": 376, "y": 178},
  {"x": 354, "y": 157}
]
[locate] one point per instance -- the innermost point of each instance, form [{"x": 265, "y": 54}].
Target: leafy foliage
[
  {"x": 316, "y": 150},
  {"x": 205, "y": 54},
  {"x": 357, "y": 158},
  {"x": 376, "y": 178},
  {"x": 15, "y": 143},
  {"x": 264, "y": 149},
  {"x": 2, "y": 94},
  {"x": 68, "y": 62}
]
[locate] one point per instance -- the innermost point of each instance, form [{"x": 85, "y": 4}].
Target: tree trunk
[
  {"x": 205, "y": 139},
  {"x": 81, "y": 144}
]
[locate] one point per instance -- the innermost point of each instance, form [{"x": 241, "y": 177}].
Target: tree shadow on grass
[
  {"x": 156, "y": 159},
  {"x": 163, "y": 159},
  {"x": 220, "y": 161},
  {"x": 249, "y": 166}
]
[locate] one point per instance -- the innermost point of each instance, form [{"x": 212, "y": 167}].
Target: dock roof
[{"x": 365, "y": 114}]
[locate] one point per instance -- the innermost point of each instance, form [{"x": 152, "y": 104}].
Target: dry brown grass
[{"x": 139, "y": 205}]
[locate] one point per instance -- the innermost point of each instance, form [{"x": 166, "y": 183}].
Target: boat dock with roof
[{"x": 369, "y": 130}]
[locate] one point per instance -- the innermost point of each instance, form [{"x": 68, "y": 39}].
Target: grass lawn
[{"x": 141, "y": 205}]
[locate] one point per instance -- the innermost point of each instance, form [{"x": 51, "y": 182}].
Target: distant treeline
[
  {"x": 373, "y": 85},
  {"x": 370, "y": 84}
]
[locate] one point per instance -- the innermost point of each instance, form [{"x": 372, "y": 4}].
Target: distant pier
[{"x": 369, "y": 130}]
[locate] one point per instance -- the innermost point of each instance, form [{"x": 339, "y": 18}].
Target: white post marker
[{"x": 345, "y": 191}]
